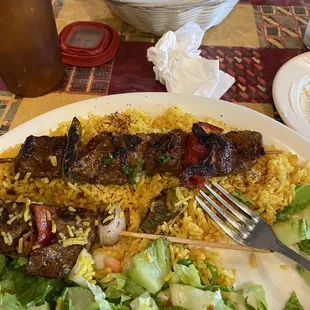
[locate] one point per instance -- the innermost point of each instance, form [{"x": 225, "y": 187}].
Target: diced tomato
[{"x": 42, "y": 225}]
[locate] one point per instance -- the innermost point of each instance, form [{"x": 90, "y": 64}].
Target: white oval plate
[
  {"x": 278, "y": 283},
  {"x": 291, "y": 72}
]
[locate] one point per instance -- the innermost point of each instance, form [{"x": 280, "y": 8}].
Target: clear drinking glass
[{"x": 30, "y": 58}]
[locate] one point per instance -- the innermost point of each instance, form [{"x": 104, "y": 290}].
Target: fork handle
[{"x": 285, "y": 250}]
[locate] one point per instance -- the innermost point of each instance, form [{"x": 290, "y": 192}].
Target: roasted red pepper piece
[
  {"x": 41, "y": 223},
  {"x": 195, "y": 153}
]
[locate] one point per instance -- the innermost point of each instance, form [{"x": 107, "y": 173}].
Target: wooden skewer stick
[
  {"x": 273, "y": 152},
  {"x": 268, "y": 152},
  {"x": 193, "y": 242},
  {"x": 6, "y": 160}
]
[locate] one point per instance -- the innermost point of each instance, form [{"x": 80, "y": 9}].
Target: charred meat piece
[
  {"x": 136, "y": 146},
  {"x": 68, "y": 223},
  {"x": 12, "y": 226},
  {"x": 74, "y": 228},
  {"x": 202, "y": 127},
  {"x": 162, "y": 210},
  {"x": 210, "y": 154},
  {"x": 101, "y": 162},
  {"x": 71, "y": 150},
  {"x": 81, "y": 222},
  {"x": 165, "y": 152},
  {"x": 41, "y": 156},
  {"x": 53, "y": 261}
]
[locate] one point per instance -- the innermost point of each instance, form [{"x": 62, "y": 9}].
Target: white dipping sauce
[{"x": 300, "y": 98}]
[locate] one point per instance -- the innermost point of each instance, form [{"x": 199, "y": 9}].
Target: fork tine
[
  {"x": 239, "y": 215},
  {"x": 219, "y": 222},
  {"x": 238, "y": 203},
  {"x": 241, "y": 229}
]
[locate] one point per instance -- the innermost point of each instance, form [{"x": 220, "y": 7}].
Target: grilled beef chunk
[
  {"x": 80, "y": 219},
  {"x": 210, "y": 154},
  {"x": 100, "y": 162},
  {"x": 136, "y": 146},
  {"x": 53, "y": 261},
  {"x": 42, "y": 156},
  {"x": 165, "y": 152},
  {"x": 11, "y": 232},
  {"x": 162, "y": 210},
  {"x": 105, "y": 159}
]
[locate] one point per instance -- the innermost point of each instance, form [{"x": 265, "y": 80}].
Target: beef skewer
[
  {"x": 54, "y": 236},
  {"x": 115, "y": 158}
]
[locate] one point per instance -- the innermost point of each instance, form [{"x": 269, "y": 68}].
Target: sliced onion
[{"x": 109, "y": 233}]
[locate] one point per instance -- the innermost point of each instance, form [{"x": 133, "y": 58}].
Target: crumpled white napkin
[{"x": 179, "y": 66}]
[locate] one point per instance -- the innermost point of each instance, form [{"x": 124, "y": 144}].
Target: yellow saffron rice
[{"x": 269, "y": 186}]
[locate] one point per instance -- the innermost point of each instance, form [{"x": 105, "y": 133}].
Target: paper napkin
[{"x": 179, "y": 66}]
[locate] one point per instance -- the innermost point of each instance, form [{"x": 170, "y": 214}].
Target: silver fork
[{"x": 252, "y": 230}]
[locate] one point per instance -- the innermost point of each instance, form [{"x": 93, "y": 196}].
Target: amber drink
[{"x": 30, "y": 58}]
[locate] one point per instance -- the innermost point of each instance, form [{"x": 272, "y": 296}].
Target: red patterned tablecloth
[{"x": 252, "y": 43}]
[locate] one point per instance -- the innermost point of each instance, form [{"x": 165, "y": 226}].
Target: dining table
[{"x": 251, "y": 44}]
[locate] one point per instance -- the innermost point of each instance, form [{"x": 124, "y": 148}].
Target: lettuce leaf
[
  {"x": 185, "y": 262},
  {"x": 74, "y": 298},
  {"x": 133, "y": 289},
  {"x": 254, "y": 296},
  {"x": 116, "y": 288},
  {"x": 29, "y": 290},
  {"x": 304, "y": 246},
  {"x": 293, "y": 303},
  {"x": 9, "y": 301},
  {"x": 192, "y": 298},
  {"x": 186, "y": 275},
  {"x": 304, "y": 273},
  {"x": 300, "y": 202},
  {"x": 144, "y": 302},
  {"x": 76, "y": 276},
  {"x": 292, "y": 231},
  {"x": 150, "y": 266}
]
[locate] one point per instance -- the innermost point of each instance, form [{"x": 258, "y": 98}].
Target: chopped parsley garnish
[
  {"x": 164, "y": 158},
  {"x": 185, "y": 262},
  {"x": 140, "y": 162},
  {"x": 108, "y": 159},
  {"x": 132, "y": 173}
]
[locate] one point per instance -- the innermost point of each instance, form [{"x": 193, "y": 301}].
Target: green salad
[{"x": 149, "y": 280}]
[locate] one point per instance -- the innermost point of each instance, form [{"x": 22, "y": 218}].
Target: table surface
[{"x": 252, "y": 43}]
